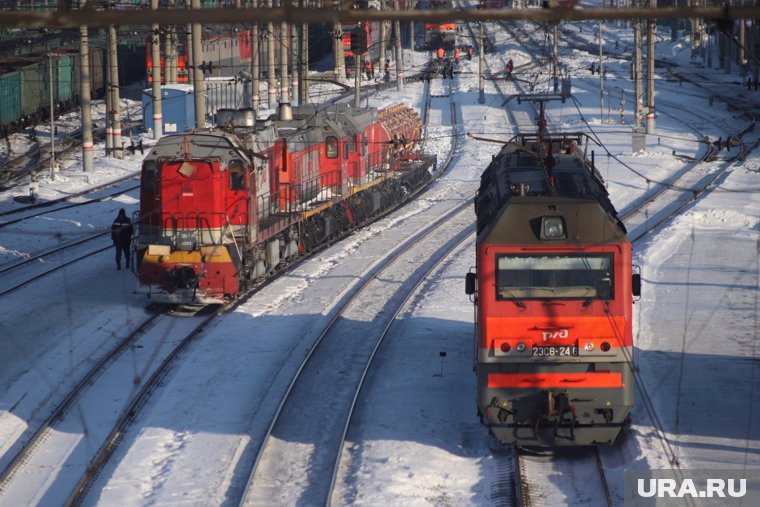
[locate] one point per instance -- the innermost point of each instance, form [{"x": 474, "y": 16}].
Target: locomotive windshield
[{"x": 564, "y": 276}]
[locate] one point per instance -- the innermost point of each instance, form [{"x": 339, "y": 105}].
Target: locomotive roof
[
  {"x": 350, "y": 119},
  {"x": 523, "y": 173},
  {"x": 211, "y": 143}
]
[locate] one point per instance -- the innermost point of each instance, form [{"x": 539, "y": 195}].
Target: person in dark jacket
[{"x": 121, "y": 235}]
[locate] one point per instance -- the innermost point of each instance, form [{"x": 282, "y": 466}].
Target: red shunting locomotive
[
  {"x": 553, "y": 289},
  {"x": 222, "y": 208}
]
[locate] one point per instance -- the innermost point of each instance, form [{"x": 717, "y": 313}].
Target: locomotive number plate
[{"x": 554, "y": 351}]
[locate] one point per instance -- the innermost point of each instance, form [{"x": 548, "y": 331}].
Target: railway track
[
  {"x": 327, "y": 383},
  {"x": 330, "y": 380},
  {"x": 73, "y": 442},
  {"x": 573, "y": 478}
]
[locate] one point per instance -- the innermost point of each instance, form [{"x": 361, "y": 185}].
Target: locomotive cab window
[
  {"x": 351, "y": 145},
  {"x": 237, "y": 175},
  {"x": 331, "y": 147},
  {"x": 149, "y": 176},
  {"x": 555, "y": 276}
]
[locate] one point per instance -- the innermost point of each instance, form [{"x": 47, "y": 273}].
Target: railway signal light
[{"x": 358, "y": 40}]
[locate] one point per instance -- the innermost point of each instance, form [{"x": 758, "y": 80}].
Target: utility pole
[
  {"x": 189, "y": 58},
  {"x": 199, "y": 84},
  {"x": 742, "y": 60},
  {"x": 108, "y": 97},
  {"x": 652, "y": 29},
  {"x": 271, "y": 71},
  {"x": 304, "y": 61},
  {"x": 294, "y": 56},
  {"x": 601, "y": 76},
  {"x": 399, "y": 58},
  {"x": 481, "y": 53},
  {"x": 255, "y": 66},
  {"x": 155, "y": 46},
  {"x": 170, "y": 45},
  {"x": 555, "y": 57},
  {"x": 340, "y": 62},
  {"x": 84, "y": 94},
  {"x": 410, "y": 6},
  {"x": 637, "y": 74},
  {"x": 383, "y": 39},
  {"x": 52, "y": 118},
  {"x": 113, "y": 92},
  {"x": 357, "y": 79},
  {"x": 285, "y": 112}
]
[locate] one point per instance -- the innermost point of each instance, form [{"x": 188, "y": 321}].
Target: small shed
[{"x": 177, "y": 108}]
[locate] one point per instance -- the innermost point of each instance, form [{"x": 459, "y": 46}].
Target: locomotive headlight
[
  {"x": 553, "y": 228},
  {"x": 521, "y": 347},
  {"x": 589, "y": 346}
]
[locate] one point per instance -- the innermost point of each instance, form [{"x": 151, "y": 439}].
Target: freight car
[
  {"x": 553, "y": 290},
  {"x": 25, "y": 85},
  {"x": 25, "y": 81},
  {"x": 221, "y": 209}
]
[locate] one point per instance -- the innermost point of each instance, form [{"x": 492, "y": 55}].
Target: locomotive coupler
[{"x": 558, "y": 409}]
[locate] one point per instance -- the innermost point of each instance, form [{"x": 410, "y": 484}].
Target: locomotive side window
[
  {"x": 236, "y": 169},
  {"x": 149, "y": 176},
  {"x": 539, "y": 276},
  {"x": 331, "y": 147}
]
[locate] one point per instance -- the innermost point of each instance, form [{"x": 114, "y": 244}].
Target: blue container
[{"x": 177, "y": 106}]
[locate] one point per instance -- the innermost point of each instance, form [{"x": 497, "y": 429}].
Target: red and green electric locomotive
[{"x": 553, "y": 290}]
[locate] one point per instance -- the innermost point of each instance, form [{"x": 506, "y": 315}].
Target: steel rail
[
  {"x": 361, "y": 286},
  {"x": 38, "y": 434},
  {"x": 130, "y": 412},
  {"x": 442, "y": 254},
  {"x": 357, "y": 289}
]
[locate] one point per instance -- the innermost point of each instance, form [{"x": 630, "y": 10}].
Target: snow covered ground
[{"x": 418, "y": 441}]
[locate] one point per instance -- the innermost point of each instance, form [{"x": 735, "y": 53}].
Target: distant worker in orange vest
[
  {"x": 456, "y": 54},
  {"x": 440, "y": 53},
  {"x": 369, "y": 69}
]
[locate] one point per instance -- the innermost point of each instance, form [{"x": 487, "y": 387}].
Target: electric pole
[
  {"x": 271, "y": 77},
  {"x": 84, "y": 94},
  {"x": 637, "y": 74},
  {"x": 155, "y": 47},
  {"x": 340, "y": 70},
  {"x": 652, "y": 29},
  {"x": 481, "y": 89},
  {"x": 399, "y": 58},
  {"x": 52, "y": 118},
  {"x": 304, "y": 61},
  {"x": 601, "y": 76},
  {"x": 113, "y": 93},
  {"x": 199, "y": 84},
  {"x": 255, "y": 66},
  {"x": 285, "y": 112},
  {"x": 555, "y": 57}
]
